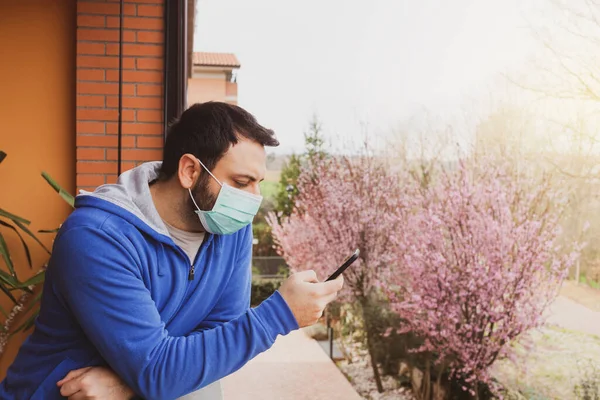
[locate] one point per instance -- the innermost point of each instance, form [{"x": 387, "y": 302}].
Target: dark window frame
[{"x": 175, "y": 59}]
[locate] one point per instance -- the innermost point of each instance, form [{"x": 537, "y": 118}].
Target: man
[{"x": 149, "y": 280}]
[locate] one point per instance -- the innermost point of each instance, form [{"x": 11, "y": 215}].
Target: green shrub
[
  {"x": 265, "y": 246},
  {"x": 262, "y": 289},
  {"x": 390, "y": 347}
]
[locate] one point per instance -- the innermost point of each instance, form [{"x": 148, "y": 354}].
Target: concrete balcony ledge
[{"x": 295, "y": 368}]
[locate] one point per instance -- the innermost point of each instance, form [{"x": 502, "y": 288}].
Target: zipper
[{"x": 191, "y": 273}]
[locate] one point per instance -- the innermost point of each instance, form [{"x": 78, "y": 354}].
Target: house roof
[{"x": 215, "y": 60}]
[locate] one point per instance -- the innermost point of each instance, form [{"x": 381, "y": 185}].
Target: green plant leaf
[
  {"x": 25, "y": 247},
  {"x": 6, "y": 255},
  {"x": 8, "y": 293},
  {"x": 2, "y": 156},
  {"x": 8, "y": 279},
  {"x": 67, "y": 197},
  {"x": 48, "y": 230},
  {"x": 34, "y": 280},
  {"x": 24, "y": 289},
  {"x": 62, "y": 192},
  {"x": 27, "y": 231},
  {"x": 13, "y": 217},
  {"x": 3, "y": 313}
]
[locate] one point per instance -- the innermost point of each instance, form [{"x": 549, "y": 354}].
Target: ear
[{"x": 189, "y": 171}]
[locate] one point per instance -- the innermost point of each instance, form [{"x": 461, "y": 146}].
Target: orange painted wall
[
  {"x": 37, "y": 110},
  {"x": 204, "y": 89}
]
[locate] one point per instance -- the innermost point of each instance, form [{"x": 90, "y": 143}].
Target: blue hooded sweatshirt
[{"x": 117, "y": 293}]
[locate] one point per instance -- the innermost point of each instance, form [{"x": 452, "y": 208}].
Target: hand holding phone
[
  {"x": 298, "y": 291},
  {"x": 347, "y": 262},
  {"x": 307, "y": 297}
]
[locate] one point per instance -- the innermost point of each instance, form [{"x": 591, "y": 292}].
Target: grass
[
  {"x": 553, "y": 368},
  {"x": 269, "y": 189},
  {"x": 590, "y": 282}
]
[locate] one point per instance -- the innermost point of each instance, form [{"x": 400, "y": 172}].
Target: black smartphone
[{"x": 347, "y": 262}]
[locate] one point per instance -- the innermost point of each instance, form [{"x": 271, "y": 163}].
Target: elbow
[
  {"x": 169, "y": 388},
  {"x": 161, "y": 377},
  {"x": 154, "y": 384}
]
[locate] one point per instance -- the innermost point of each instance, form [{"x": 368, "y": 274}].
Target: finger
[
  {"x": 78, "y": 396},
  {"x": 330, "y": 297},
  {"x": 307, "y": 276},
  {"x": 333, "y": 286},
  {"x": 70, "y": 388},
  {"x": 73, "y": 374}
]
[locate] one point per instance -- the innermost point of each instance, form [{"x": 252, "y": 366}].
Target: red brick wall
[{"x": 98, "y": 87}]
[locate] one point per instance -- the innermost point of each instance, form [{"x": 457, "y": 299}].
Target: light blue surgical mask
[{"x": 233, "y": 210}]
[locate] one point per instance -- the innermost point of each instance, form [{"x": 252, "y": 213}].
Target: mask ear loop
[
  {"x": 210, "y": 173},
  {"x": 190, "y": 191}
]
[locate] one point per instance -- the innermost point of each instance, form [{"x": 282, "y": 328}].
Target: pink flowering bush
[
  {"x": 476, "y": 267},
  {"x": 469, "y": 261},
  {"x": 347, "y": 203},
  {"x": 344, "y": 203}
]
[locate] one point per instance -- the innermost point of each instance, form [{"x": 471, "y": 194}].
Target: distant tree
[
  {"x": 565, "y": 79},
  {"x": 314, "y": 141},
  {"x": 288, "y": 186},
  {"x": 315, "y": 152}
]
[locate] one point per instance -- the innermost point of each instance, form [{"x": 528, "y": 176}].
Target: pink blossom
[
  {"x": 347, "y": 203},
  {"x": 480, "y": 264}
]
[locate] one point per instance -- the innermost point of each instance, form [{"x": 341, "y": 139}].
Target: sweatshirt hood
[{"x": 131, "y": 194}]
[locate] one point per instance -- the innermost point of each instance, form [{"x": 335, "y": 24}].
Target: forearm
[{"x": 181, "y": 365}]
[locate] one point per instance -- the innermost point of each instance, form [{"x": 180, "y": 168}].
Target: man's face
[{"x": 242, "y": 167}]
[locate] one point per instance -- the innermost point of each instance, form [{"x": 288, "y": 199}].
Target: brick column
[{"x": 98, "y": 87}]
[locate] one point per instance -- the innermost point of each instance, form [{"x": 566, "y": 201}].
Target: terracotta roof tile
[{"x": 215, "y": 59}]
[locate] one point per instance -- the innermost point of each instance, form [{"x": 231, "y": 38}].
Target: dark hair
[{"x": 207, "y": 130}]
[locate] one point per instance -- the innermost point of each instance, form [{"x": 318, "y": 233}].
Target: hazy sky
[{"x": 375, "y": 61}]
